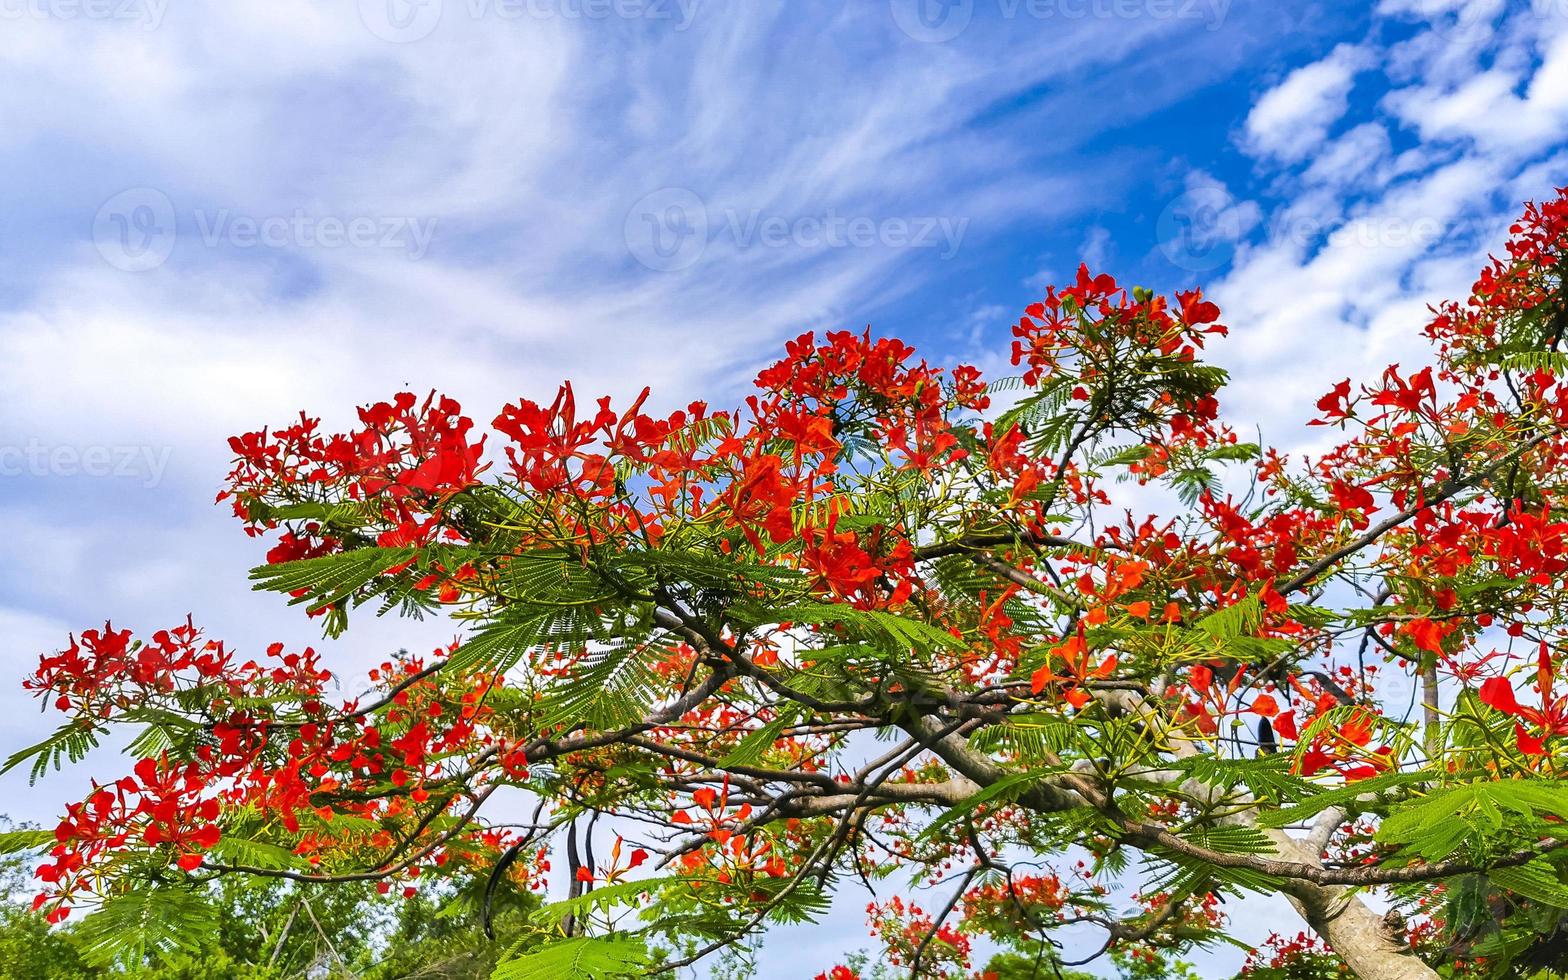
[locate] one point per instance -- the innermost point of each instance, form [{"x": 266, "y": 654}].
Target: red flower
[{"x": 1334, "y": 405}]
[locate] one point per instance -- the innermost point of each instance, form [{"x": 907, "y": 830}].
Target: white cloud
[
  {"x": 1343, "y": 296},
  {"x": 1096, "y": 247},
  {"x": 1360, "y": 154},
  {"x": 1496, "y": 76},
  {"x": 1292, "y": 119},
  {"x": 1340, "y": 284}
]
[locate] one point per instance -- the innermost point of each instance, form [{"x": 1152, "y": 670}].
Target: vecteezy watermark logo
[
  {"x": 301, "y": 229},
  {"x": 934, "y": 21},
  {"x": 400, "y": 21},
  {"x": 678, "y": 12},
  {"x": 1427, "y": 234},
  {"x": 1199, "y": 230},
  {"x": 667, "y": 230},
  {"x": 147, "y": 13},
  {"x": 135, "y": 229},
  {"x": 670, "y": 229},
  {"x": 144, "y": 463}
]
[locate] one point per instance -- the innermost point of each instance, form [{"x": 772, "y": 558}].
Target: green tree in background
[{"x": 269, "y": 929}]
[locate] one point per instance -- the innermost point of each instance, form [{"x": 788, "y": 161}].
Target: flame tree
[{"x": 885, "y": 622}]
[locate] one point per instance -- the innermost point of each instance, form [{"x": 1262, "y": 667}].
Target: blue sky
[{"x": 217, "y": 215}]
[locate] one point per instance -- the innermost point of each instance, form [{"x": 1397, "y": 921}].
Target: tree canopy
[{"x": 1052, "y": 653}]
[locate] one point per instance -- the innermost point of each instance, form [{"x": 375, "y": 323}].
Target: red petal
[
  {"x": 1038, "y": 679},
  {"x": 1313, "y": 760},
  {"x": 1529, "y": 744},
  {"x": 1497, "y": 693},
  {"x": 1285, "y": 726}
]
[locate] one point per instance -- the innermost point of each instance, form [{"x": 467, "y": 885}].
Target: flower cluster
[{"x": 263, "y": 742}]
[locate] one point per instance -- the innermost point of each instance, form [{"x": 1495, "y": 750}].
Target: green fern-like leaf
[
  {"x": 21, "y": 841},
  {"x": 235, "y": 849},
  {"x": 1473, "y": 813},
  {"x": 582, "y": 958},
  {"x": 331, "y": 581},
  {"x": 69, "y": 743},
  {"x": 756, "y": 744},
  {"x": 1233, "y": 621},
  {"x": 499, "y": 646},
  {"x": 613, "y": 687},
  {"x": 146, "y": 923},
  {"x": 1537, "y": 881},
  {"x": 550, "y": 579},
  {"x": 603, "y": 897},
  {"x": 896, "y": 634}
]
